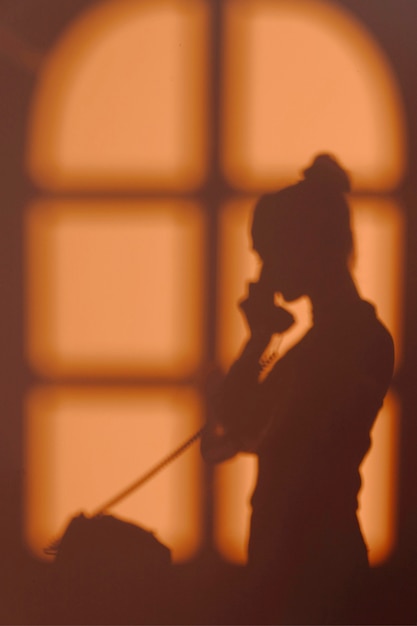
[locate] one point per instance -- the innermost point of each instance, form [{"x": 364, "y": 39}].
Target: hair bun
[{"x": 326, "y": 173}]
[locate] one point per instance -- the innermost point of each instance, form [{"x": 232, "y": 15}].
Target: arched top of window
[
  {"x": 121, "y": 100},
  {"x": 305, "y": 77}
]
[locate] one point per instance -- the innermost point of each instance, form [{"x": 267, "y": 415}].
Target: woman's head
[{"x": 302, "y": 233}]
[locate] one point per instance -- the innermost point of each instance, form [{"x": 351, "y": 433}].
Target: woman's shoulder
[
  {"x": 370, "y": 327},
  {"x": 370, "y": 340}
]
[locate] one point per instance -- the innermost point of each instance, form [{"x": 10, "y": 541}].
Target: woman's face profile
[
  {"x": 303, "y": 237},
  {"x": 288, "y": 265}
]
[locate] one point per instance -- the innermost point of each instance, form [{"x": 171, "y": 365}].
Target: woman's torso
[{"x": 326, "y": 393}]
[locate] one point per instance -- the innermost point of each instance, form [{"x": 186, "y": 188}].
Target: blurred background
[{"x": 136, "y": 138}]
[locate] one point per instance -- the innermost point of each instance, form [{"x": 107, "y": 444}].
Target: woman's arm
[
  {"x": 230, "y": 407},
  {"x": 234, "y": 410}
]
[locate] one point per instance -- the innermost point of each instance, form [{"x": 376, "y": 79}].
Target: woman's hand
[{"x": 262, "y": 315}]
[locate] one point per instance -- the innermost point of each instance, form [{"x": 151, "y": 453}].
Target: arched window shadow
[{"x": 239, "y": 190}]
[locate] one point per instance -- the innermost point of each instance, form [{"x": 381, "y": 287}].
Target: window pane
[
  {"x": 235, "y": 481},
  {"x": 378, "y": 497},
  {"x": 303, "y": 77},
  {"x": 121, "y": 101},
  {"x": 114, "y": 288},
  {"x": 238, "y": 265},
  {"x": 379, "y": 229},
  {"x": 84, "y": 446},
  {"x": 378, "y": 226}
]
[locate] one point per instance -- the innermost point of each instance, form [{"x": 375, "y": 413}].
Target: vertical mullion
[{"x": 213, "y": 197}]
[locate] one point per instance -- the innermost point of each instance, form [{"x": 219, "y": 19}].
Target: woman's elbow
[{"x": 217, "y": 446}]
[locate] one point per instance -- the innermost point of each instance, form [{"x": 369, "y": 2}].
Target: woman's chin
[{"x": 291, "y": 295}]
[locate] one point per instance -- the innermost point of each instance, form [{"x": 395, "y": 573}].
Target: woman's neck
[{"x": 333, "y": 296}]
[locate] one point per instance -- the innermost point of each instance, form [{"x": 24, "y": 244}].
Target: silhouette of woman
[{"x": 309, "y": 420}]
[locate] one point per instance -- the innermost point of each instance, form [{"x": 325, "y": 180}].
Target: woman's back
[{"x": 305, "y": 542}]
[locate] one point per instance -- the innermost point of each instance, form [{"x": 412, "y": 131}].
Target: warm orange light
[
  {"x": 85, "y": 445},
  {"x": 234, "y": 483},
  {"x": 378, "y": 497},
  {"x": 122, "y": 100},
  {"x": 114, "y": 288},
  {"x": 378, "y": 231},
  {"x": 239, "y": 265},
  {"x": 301, "y": 78},
  {"x": 379, "y": 228}
]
